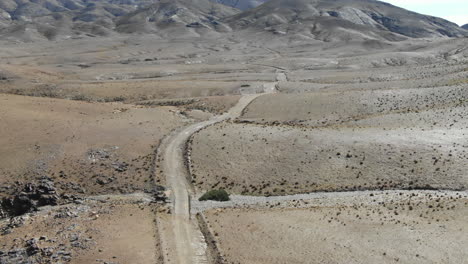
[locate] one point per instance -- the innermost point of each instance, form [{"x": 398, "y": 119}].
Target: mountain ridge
[
  {"x": 374, "y": 14},
  {"x": 331, "y": 20},
  {"x": 188, "y": 17},
  {"x": 241, "y": 4}
]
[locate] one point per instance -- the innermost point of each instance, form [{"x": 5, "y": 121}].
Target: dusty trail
[{"x": 189, "y": 243}]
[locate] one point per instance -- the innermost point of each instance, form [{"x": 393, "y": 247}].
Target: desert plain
[{"x": 332, "y": 151}]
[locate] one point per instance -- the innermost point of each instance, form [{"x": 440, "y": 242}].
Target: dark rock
[
  {"x": 20, "y": 204},
  {"x": 30, "y": 198},
  {"x": 158, "y": 193},
  {"x": 103, "y": 181},
  {"x": 194, "y": 25},
  {"x": 120, "y": 166},
  {"x": 48, "y": 199},
  {"x": 31, "y": 247}
]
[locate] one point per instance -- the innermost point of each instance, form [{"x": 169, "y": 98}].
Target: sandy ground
[
  {"x": 86, "y": 147},
  {"x": 411, "y": 228}
]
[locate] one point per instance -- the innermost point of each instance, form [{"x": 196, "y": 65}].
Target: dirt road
[{"x": 189, "y": 244}]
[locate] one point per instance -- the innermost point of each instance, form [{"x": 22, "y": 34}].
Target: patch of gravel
[{"x": 321, "y": 199}]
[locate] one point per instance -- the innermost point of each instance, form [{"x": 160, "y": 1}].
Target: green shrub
[{"x": 215, "y": 195}]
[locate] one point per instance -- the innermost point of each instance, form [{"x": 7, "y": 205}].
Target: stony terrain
[
  {"x": 92, "y": 231},
  {"x": 338, "y": 128},
  {"x": 400, "y": 228}
]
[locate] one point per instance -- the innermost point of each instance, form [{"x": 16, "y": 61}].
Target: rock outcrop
[{"x": 31, "y": 197}]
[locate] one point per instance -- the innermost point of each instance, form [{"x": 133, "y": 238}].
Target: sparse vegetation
[
  {"x": 80, "y": 97},
  {"x": 215, "y": 195},
  {"x": 368, "y": 129}
]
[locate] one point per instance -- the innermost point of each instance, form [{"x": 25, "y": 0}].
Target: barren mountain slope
[
  {"x": 340, "y": 19},
  {"x": 303, "y": 19},
  {"x": 241, "y": 4},
  {"x": 40, "y": 20},
  {"x": 178, "y": 17},
  {"x": 48, "y": 19}
]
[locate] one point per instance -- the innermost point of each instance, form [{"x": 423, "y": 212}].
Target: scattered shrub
[
  {"x": 215, "y": 195},
  {"x": 114, "y": 99},
  {"x": 80, "y": 97}
]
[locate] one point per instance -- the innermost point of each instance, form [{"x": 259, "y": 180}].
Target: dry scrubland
[
  {"x": 86, "y": 148},
  {"x": 86, "y": 118},
  {"x": 325, "y": 109},
  {"x": 335, "y": 141},
  {"x": 131, "y": 70},
  {"x": 90, "y": 114},
  {"x": 407, "y": 228},
  {"x": 252, "y": 159}
]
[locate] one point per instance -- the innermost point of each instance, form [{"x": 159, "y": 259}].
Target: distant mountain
[
  {"x": 30, "y": 20},
  {"x": 343, "y": 19},
  {"x": 465, "y": 26},
  {"x": 241, "y": 4},
  {"x": 172, "y": 18},
  {"x": 83, "y": 10},
  {"x": 322, "y": 20}
]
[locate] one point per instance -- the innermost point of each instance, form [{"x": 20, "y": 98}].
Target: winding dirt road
[{"x": 189, "y": 243}]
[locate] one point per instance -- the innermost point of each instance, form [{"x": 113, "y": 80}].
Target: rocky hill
[
  {"x": 30, "y": 20},
  {"x": 465, "y": 26},
  {"x": 176, "y": 18},
  {"x": 343, "y": 19}
]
